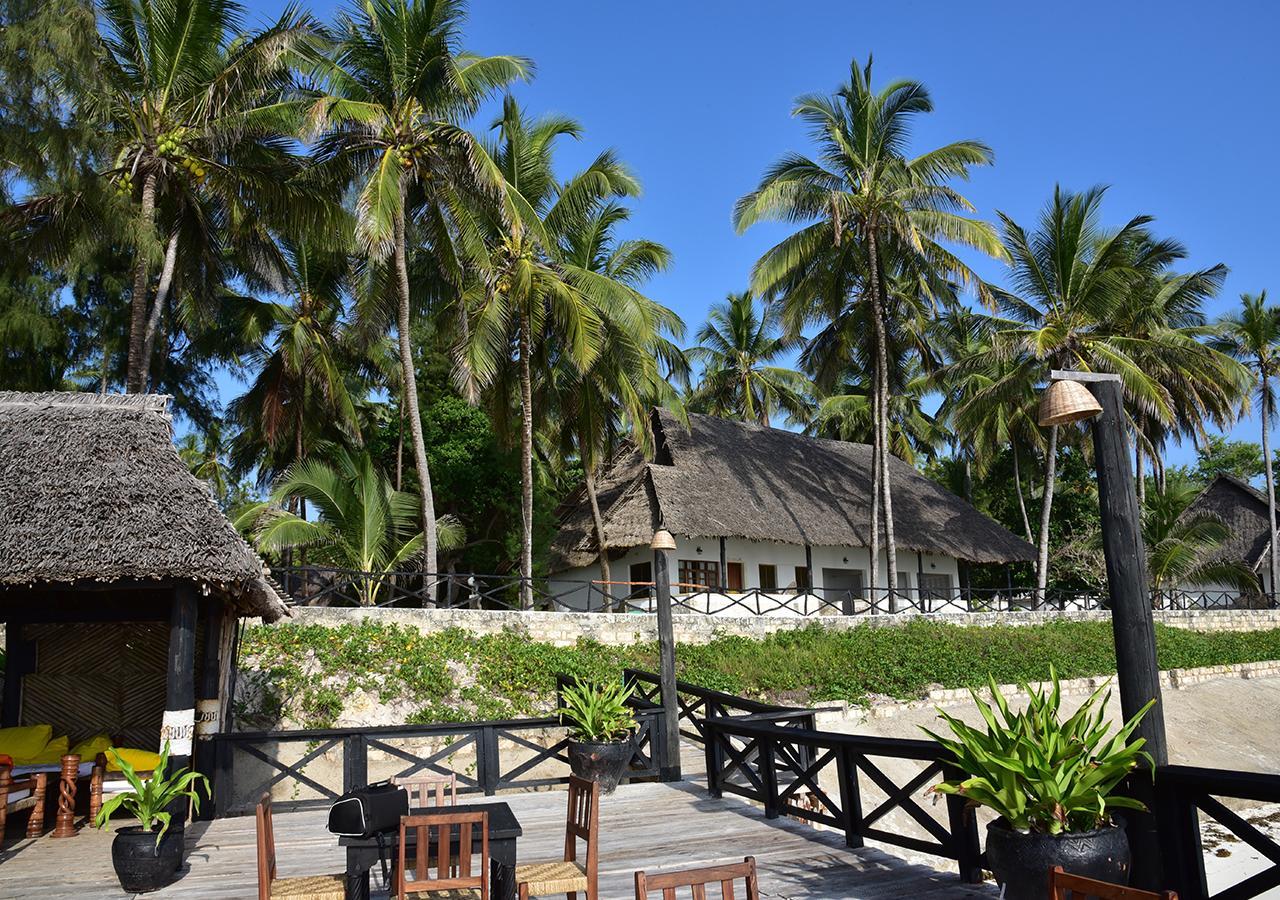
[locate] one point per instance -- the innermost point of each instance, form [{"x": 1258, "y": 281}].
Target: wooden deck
[{"x": 645, "y": 826}]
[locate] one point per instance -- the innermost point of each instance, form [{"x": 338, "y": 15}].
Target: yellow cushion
[
  {"x": 309, "y": 887},
  {"x": 89, "y": 748},
  {"x": 50, "y": 755},
  {"x": 25, "y": 740},
  {"x": 141, "y": 760},
  {"x": 552, "y": 877}
]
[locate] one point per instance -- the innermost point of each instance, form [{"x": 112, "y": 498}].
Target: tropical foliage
[
  {"x": 1039, "y": 771},
  {"x": 149, "y": 800},
  {"x": 421, "y": 305}
]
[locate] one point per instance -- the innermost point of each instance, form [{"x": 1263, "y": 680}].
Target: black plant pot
[
  {"x": 1021, "y": 862},
  {"x": 603, "y": 763},
  {"x": 140, "y": 864}
]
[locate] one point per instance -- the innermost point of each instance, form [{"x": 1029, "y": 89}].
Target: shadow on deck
[{"x": 643, "y": 826}]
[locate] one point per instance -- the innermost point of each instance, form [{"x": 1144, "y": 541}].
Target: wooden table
[{"x": 504, "y": 828}]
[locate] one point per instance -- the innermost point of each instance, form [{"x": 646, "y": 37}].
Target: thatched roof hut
[
  {"x": 1243, "y": 510},
  {"x": 721, "y": 478},
  {"x": 121, "y": 582},
  {"x": 93, "y": 490}
]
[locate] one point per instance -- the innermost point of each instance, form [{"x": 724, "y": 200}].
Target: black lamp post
[
  {"x": 1075, "y": 396},
  {"x": 662, "y": 542}
]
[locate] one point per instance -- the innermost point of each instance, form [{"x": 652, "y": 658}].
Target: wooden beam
[
  {"x": 724, "y": 567},
  {"x": 667, "y": 666},
  {"x": 1082, "y": 377},
  {"x": 208, "y": 702},
  {"x": 179, "y": 722},
  {"x": 1131, "y": 619},
  {"x": 20, "y": 660}
]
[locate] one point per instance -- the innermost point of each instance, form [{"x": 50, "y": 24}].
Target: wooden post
[
  {"x": 64, "y": 825},
  {"x": 208, "y": 703},
  {"x": 20, "y": 660},
  {"x": 667, "y": 660},
  {"x": 1136, "y": 665},
  {"x": 920, "y": 604},
  {"x": 724, "y": 567},
  {"x": 179, "y": 723}
]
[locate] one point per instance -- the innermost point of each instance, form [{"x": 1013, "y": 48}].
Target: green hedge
[{"x": 307, "y": 672}]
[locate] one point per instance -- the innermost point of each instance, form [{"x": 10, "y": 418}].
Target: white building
[{"x": 768, "y": 522}]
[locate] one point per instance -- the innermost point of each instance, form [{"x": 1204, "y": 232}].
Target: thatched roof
[
  {"x": 92, "y": 489},
  {"x": 730, "y": 479},
  {"x": 1243, "y": 510}
]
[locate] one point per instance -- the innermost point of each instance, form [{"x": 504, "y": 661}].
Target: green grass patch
[{"x": 307, "y": 673}]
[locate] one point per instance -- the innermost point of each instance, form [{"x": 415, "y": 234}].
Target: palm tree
[
  {"x": 1071, "y": 281},
  {"x": 1252, "y": 335},
  {"x": 872, "y": 211},
  {"x": 205, "y": 457},
  {"x": 600, "y": 407},
  {"x": 531, "y": 302},
  {"x": 364, "y": 524},
  {"x": 198, "y": 115},
  {"x": 1182, "y": 549},
  {"x": 305, "y": 361},
  {"x": 395, "y": 89},
  {"x": 735, "y": 348}
]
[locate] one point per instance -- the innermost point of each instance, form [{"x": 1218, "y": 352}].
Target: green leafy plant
[
  {"x": 1039, "y": 772},
  {"x": 149, "y": 799},
  {"x": 598, "y": 710}
]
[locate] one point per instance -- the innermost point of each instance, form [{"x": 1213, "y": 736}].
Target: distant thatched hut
[
  {"x": 765, "y": 509},
  {"x": 121, "y": 582},
  {"x": 1243, "y": 510}
]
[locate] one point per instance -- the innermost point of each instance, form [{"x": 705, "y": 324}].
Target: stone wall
[{"x": 565, "y": 628}]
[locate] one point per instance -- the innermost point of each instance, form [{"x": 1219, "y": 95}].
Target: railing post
[
  {"x": 223, "y": 777},
  {"x": 768, "y": 777},
  {"x": 355, "y": 762},
  {"x": 963, "y": 825},
  {"x": 850, "y": 797},
  {"x": 488, "y": 765},
  {"x": 1178, "y": 827},
  {"x": 715, "y": 757}
]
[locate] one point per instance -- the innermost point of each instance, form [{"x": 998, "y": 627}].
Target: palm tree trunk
[
  {"x": 1017, "y": 485},
  {"x": 526, "y": 466},
  {"x": 1046, "y": 511},
  {"x": 409, "y": 383},
  {"x": 1139, "y": 458},
  {"x": 1271, "y": 483},
  {"x": 400, "y": 446},
  {"x": 602, "y": 545},
  {"x": 882, "y": 413},
  {"x": 134, "y": 383},
  {"x": 157, "y": 308},
  {"x": 876, "y": 471}
]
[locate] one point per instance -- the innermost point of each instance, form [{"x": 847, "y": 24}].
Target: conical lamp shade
[
  {"x": 1067, "y": 401},
  {"x": 662, "y": 540}
]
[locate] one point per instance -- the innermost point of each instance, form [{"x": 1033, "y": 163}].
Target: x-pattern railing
[{"x": 473, "y": 751}]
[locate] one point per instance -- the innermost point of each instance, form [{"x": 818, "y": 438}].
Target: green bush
[{"x": 310, "y": 670}]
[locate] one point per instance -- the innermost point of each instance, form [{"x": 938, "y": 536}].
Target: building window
[
  {"x": 802, "y": 578},
  {"x": 768, "y": 577},
  {"x": 695, "y": 573}
]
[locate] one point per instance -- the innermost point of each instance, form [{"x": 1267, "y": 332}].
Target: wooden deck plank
[{"x": 646, "y": 826}]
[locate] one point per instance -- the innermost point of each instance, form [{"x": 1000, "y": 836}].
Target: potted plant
[
  {"x": 600, "y": 746},
  {"x": 1053, "y": 784},
  {"x": 147, "y": 855}
]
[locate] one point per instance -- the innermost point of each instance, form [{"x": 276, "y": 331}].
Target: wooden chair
[
  {"x": 568, "y": 876},
  {"x": 18, "y": 794},
  {"x": 306, "y": 887},
  {"x": 443, "y": 790},
  {"x": 698, "y": 879},
  {"x": 1063, "y": 886},
  {"x": 453, "y": 877}
]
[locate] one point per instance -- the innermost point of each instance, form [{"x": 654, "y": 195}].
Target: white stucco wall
[{"x": 574, "y": 589}]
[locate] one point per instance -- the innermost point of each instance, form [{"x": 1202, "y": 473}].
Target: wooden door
[{"x": 735, "y": 576}]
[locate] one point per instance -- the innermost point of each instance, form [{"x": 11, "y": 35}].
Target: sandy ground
[{"x": 1228, "y": 723}]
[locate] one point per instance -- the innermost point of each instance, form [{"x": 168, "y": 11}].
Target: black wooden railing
[
  {"x": 322, "y": 586},
  {"x": 473, "y": 751},
  {"x": 695, "y": 704},
  {"x": 1183, "y": 794},
  {"x": 782, "y": 768}
]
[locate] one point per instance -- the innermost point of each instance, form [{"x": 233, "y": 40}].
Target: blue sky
[{"x": 1172, "y": 104}]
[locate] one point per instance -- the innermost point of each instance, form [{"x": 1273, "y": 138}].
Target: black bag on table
[{"x": 368, "y": 811}]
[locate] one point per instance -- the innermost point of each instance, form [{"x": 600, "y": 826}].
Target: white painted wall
[{"x": 573, "y": 588}]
